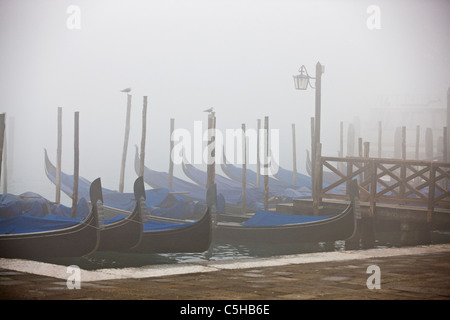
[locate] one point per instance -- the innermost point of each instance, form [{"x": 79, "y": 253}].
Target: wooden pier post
[
  {"x": 58, "y": 157},
  {"x": 144, "y": 134},
  {"x": 172, "y": 128},
  {"x": 366, "y": 155},
  {"x": 258, "y": 159},
  {"x": 317, "y": 180},
  {"x": 398, "y": 143},
  {"x": 404, "y": 143},
  {"x": 360, "y": 147},
  {"x": 403, "y": 166},
  {"x": 294, "y": 157},
  {"x": 313, "y": 157},
  {"x": 417, "y": 142},
  {"x": 444, "y": 145},
  {"x": 368, "y": 223},
  {"x": 266, "y": 163},
  {"x": 125, "y": 144},
  {"x": 76, "y": 163},
  {"x": 444, "y": 156},
  {"x": 429, "y": 144},
  {"x": 360, "y": 155},
  {"x": 380, "y": 140},
  {"x": 351, "y": 140},
  {"x": 244, "y": 171},
  {"x": 448, "y": 124}
]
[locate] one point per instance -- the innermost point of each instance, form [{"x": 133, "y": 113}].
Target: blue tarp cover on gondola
[
  {"x": 27, "y": 224},
  {"x": 180, "y": 208},
  {"x": 263, "y": 218},
  {"x": 30, "y": 212},
  {"x": 159, "y": 225},
  {"x": 32, "y": 204}
]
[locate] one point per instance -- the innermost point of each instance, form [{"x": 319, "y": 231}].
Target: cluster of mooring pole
[
  {"x": 127, "y": 135},
  {"x": 76, "y": 168},
  {"x": 211, "y": 162}
]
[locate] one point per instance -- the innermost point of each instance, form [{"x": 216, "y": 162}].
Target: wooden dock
[{"x": 413, "y": 195}]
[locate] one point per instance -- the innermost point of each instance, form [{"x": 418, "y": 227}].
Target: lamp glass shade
[{"x": 301, "y": 81}]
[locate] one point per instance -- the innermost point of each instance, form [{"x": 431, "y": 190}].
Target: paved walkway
[{"x": 421, "y": 272}]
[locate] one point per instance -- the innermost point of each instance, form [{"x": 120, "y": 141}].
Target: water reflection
[{"x": 221, "y": 251}]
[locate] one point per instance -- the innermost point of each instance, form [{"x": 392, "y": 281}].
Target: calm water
[{"x": 217, "y": 251}]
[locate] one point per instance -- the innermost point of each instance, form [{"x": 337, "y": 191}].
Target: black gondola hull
[
  {"x": 123, "y": 234},
  {"x": 79, "y": 240},
  {"x": 337, "y": 227},
  {"x": 193, "y": 238}
]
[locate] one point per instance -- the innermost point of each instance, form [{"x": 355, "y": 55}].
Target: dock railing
[{"x": 390, "y": 181}]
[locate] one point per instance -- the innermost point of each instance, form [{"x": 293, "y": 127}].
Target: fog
[{"x": 237, "y": 56}]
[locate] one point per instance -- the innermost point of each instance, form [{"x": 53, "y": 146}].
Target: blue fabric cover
[
  {"x": 179, "y": 209},
  {"x": 30, "y": 212},
  {"x": 159, "y": 179},
  {"x": 287, "y": 176},
  {"x": 32, "y": 204},
  {"x": 230, "y": 189},
  {"x": 26, "y": 224},
  {"x": 159, "y": 225},
  {"x": 263, "y": 218},
  {"x": 255, "y": 196}
]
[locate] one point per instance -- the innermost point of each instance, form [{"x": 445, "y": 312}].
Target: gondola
[
  {"x": 125, "y": 230},
  {"x": 271, "y": 228},
  {"x": 278, "y": 187},
  {"x": 141, "y": 232},
  {"x": 161, "y": 201},
  {"x": 164, "y": 235},
  {"x": 35, "y": 237}
]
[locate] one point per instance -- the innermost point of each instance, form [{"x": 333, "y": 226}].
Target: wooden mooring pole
[
  {"x": 58, "y": 157},
  {"x": 294, "y": 157},
  {"x": 244, "y": 171},
  {"x": 125, "y": 144},
  {"x": 2, "y": 138},
  {"x": 266, "y": 163},
  {"x": 258, "y": 159},
  {"x": 76, "y": 163},
  {"x": 211, "y": 165},
  {"x": 172, "y": 128},
  {"x": 341, "y": 143},
  {"x": 317, "y": 180},
  {"x": 144, "y": 133}
]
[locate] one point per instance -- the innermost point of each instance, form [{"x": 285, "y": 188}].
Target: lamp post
[{"x": 302, "y": 81}]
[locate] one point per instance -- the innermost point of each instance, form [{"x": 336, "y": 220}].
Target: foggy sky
[{"x": 237, "y": 56}]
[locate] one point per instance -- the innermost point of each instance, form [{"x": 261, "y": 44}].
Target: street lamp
[{"x": 302, "y": 81}]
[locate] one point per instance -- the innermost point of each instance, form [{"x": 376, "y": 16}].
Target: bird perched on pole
[
  {"x": 127, "y": 90},
  {"x": 210, "y": 110}
]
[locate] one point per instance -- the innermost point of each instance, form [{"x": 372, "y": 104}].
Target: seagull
[
  {"x": 210, "y": 110},
  {"x": 126, "y": 90}
]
